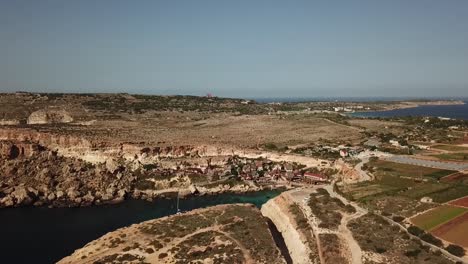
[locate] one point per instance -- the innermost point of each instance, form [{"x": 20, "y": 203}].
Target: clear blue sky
[{"x": 236, "y": 48}]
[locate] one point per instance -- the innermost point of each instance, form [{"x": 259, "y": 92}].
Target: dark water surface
[
  {"x": 451, "y": 111},
  {"x": 46, "y": 235}
]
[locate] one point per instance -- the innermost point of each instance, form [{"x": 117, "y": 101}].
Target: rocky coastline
[{"x": 33, "y": 175}]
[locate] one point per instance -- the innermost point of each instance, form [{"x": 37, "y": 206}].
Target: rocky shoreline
[{"x": 28, "y": 196}]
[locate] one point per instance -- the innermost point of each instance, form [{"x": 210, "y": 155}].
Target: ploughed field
[
  {"x": 454, "y": 231},
  {"x": 463, "y": 202},
  {"x": 448, "y": 222}
]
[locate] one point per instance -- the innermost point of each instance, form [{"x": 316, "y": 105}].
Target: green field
[
  {"x": 437, "y": 216},
  {"x": 450, "y": 147}
]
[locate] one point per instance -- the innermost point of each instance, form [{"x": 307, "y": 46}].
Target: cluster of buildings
[
  {"x": 260, "y": 171},
  {"x": 331, "y": 153},
  {"x": 349, "y": 108}
]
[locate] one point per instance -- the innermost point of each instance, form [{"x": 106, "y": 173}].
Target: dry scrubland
[
  {"x": 219, "y": 234},
  {"x": 177, "y": 119},
  {"x": 384, "y": 243},
  {"x": 218, "y": 129}
]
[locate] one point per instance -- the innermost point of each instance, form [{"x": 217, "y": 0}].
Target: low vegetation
[
  {"x": 329, "y": 210},
  {"x": 332, "y": 249},
  {"x": 376, "y": 235}
]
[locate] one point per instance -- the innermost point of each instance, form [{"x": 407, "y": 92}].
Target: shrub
[
  {"x": 456, "y": 250},
  {"x": 413, "y": 253},
  {"x": 350, "y": 209},
  {"x": 431, "y": 239},
  {"x": 271, "y": 146},
  {"x": 144, "y": 185},
  {"x": 322, "y": 191},
  {"x": 385, "y": 213},
  {"x": 414, "y": 230},
  {"x": 398, "y": 218},
  {"x": 150, "y": 166}
]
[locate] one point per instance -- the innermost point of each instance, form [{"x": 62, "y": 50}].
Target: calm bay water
[
  {"x": 45, "y": 235},
  {"x": 451, "y": 111}
]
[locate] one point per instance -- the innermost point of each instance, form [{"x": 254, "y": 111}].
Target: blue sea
[
  {"x": 347, "y": 99},
  {"x": 450, "y": 111},
  {"x": 45, "y": 235}
]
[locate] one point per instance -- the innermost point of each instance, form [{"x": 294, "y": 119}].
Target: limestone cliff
[{"x": 277, "y": 210}]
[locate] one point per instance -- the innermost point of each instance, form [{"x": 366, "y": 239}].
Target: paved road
[{"x": 445, "y": 165}]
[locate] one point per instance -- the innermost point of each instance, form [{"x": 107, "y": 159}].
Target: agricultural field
[
  {"x": 426, "y": 189},
  {"x": 454, "y": 231},
  {"x": 435, "y": 217},
  {"x": 387, "y": 195},
  {"x": 382, "y": 167},
  {"x": 457, "y": 156},
  {"x": 398, "y": 188},
  {"x": 450, "y": 147},
  {"x": 462, "y": 202},
  {"x": 456, "y": 177},
  {"x": 455, "y": 191}
]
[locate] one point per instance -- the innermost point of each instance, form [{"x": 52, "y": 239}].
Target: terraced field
[{"x": 435, "y": 217}]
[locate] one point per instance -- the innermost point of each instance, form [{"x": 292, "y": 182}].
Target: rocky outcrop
[{"x": 49, "y": 116}]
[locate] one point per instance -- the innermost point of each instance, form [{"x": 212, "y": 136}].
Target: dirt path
[
  {"x": 355, "y": 249},
  {"x": 216, "y": 229},
  {"x": 299, "y": 196},
  {"x": 342, "y": 125}
]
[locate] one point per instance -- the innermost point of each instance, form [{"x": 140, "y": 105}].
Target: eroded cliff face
[
  {"x": 101, "y": 152},
  {"x": 15, "y": 149},
  {"x": 34, "y": 174},
  {"x": 146, "y": 153}
]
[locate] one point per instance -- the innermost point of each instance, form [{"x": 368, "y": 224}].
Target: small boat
[{"x": 178, "y": 210}]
